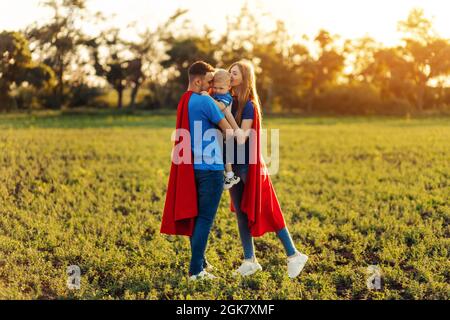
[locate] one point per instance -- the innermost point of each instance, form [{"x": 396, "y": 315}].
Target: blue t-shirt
[
  {"x": 204, "y": 115},
  {"x": 248, "y": 113},
  {"x": 226, "y": 98}
]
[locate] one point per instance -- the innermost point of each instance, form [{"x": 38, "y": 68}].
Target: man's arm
[
  {"x": 230, "y": 118},
  {"x": 228, "y": 115},
  {"x": 219, "y": 104},
  {"x": 226, "y": 128},
  {"x": 217, "y": 117},
  {"x": 245, "y": 132},
  {"x": 239, "y": 134}
]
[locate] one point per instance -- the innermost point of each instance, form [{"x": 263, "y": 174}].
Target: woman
[{"x": 253, "y": 199}]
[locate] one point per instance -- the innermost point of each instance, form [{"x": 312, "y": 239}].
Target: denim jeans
[
  {"x": 209, "y": 191},
  {"x": 236, "y": 193}
]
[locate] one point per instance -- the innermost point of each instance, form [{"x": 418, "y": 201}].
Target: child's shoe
[{"x": 229, "y": 182}]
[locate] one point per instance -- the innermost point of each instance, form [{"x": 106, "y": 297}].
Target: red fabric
[
  {"x": 180, "y": 209},
  {"x": 259, "y": 200}
]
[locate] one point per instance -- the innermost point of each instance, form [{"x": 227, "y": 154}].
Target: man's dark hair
[{"x": 199, "y": 68}]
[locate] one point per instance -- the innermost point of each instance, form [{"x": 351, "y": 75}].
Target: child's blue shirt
[{"x": 226, "y": 99}]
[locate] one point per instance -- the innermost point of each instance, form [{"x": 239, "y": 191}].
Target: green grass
[{"x": 89, "y": 190}]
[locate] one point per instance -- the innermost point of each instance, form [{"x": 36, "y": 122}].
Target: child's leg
[
  {"x": 228, "y": 168},
  {"x": 229, "y": 171},
  {"x": 230, "y": 178}
]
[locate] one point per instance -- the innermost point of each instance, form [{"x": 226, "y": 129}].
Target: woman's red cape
[{"x": 259, "y": 200}]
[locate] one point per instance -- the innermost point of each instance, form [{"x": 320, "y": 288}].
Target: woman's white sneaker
[
  {"x": 295, "y": 264},
  {"x": 247, "y": 268},
  {"x": 203, "y": 275}
]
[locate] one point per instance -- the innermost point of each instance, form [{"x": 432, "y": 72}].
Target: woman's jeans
[
  {"x": 236, "y": 193},
  {"x": 209, "y": 191}
]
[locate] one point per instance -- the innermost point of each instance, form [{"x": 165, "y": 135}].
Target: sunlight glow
[{"x": 347, "y": 18}]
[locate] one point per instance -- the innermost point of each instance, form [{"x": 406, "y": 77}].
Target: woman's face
[{"x": 236, "y": 76}]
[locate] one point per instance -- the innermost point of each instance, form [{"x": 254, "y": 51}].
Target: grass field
[{"x": 88, "y": 190}]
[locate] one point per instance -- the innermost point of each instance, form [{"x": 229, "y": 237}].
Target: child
[{"x": 223, "y": 98}]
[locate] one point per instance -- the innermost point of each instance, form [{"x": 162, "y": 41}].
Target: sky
[{"x": 348, "y": 18}]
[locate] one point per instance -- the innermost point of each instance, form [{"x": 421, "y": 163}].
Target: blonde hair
[
  {"x": 247, "y": 90},
  {"x": 222, "y": 76}
]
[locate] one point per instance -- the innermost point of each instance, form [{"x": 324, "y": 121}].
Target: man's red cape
[
  {"x": 259, "y": 200},
  {"x": 180, "y": 209}
]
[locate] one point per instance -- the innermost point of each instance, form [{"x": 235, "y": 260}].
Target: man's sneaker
[
  {"x": 247, "y": 268},
  {"x": 229, "y": 182},
  {"x": 202, "y": 275},
  {"x": 295, "y": 264},
  {"x": 208, "y": 266}
]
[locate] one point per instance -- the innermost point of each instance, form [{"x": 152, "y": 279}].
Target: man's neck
[{"x": 193, "y": 89}]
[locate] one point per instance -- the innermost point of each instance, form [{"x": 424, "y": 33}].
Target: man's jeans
[{"x": 209, "y": 191}]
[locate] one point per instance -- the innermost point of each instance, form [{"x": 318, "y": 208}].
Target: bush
[
  {"x": 358, "y": 99},
  {"x": 83, "y": 95},
  {"x": 27, "y": 99},
  {"x": 7, "y": 103}
]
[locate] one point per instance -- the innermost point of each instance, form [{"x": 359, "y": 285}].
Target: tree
[
  {"x": 360, "y": 56},
  {"x": 324, "y": 69},
  {"x": 114, "y": 66},
  {"x": 392, "y": 74},
  {"x": 148, "y": 54},
  {"x": 428, "y": 54},
  {"x": 130, "y": 64},
  {"x": 279, "y": 79},
  {"x": 57, "y": 42},
  {"x": 17, "y": 67},
  {"x": 242, "y": 34},
  {"x": 182, "y": 53}
]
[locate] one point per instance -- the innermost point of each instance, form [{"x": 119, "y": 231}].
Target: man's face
[{"x": 206, "y": 82}]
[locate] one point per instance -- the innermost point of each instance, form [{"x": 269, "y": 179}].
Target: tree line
[{"x": 57, "y": 65}]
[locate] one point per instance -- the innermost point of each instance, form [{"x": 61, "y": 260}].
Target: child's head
[{"x": 221, "y": 81}]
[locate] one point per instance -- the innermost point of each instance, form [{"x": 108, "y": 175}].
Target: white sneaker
[
  {"x": 295, "y": 264},
  {"x": 208, "y": 267},
  {"x": 247, "y": 268},
  {"x": 202, "y": 275},
  {"x": 230, "y": 182}
]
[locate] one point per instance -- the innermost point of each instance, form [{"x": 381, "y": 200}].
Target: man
[{"x": 195, "y": 189}]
